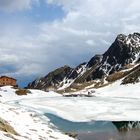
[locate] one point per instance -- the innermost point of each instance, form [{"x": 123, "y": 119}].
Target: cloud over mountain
[{"x": 36, "y": 47}]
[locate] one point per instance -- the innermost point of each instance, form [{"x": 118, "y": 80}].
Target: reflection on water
[
  {"x": 98, "y": 130},
  {"x": 124, "y": 126},
  {"x": 129, "y": 135}
]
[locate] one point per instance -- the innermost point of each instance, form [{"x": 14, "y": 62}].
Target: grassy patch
[
  {"x": 76, "y": 87},
  {"x": 116, "y": 76},
  {"x": 22, "y": 91},
  {"x": 120, "y": 74},
  {"x": 4, "y": 126},
  {"x": 133, "y": 77}
]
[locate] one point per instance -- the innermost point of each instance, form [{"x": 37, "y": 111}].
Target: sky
[{"x": 38, "y": 36}]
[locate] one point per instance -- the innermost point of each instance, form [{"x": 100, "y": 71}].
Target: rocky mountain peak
[
  {"x": 132, "y": 40},
  {"x": 124, "y": 50},
  {"x": 121, "y": 38}
]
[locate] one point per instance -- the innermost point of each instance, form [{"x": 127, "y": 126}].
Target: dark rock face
[
  {"x": 53, "y": 79},
  {"x": 94, "y": 60},
  {"x": 124, "y": 126},
  {"x": 124, "y": 50},
  {"x": 90, "y": 69},
  {"x": 58, "y": 75}
]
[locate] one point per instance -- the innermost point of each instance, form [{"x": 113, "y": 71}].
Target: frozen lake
[
  {"x": 88, "y": 116},
  {"x": 80, "y": 127},
  {"x": 82, "y": 109}
]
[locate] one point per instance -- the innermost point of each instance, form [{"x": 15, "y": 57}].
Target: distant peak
[
  {"x": 121, "y": 37},
  {"x": 66, "y": 66}
]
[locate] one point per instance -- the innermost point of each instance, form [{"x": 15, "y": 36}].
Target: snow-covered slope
[
  {"x": 110, "y": 103},
  {"x": 114, "y": 102},
  {"x": 28, "y": 122},
  {"x": 116, "y": 89}
]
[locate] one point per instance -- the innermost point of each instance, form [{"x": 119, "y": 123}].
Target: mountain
[
  {"x": 125, "y": 50},
  {"x": 124, "y": 53},
  {"x": 52, "y": 80}
]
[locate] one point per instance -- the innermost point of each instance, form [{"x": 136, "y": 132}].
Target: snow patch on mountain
[{"x": 125, "y": 50}]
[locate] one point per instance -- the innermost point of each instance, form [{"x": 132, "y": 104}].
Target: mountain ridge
[{"x": 124, "y": 51}]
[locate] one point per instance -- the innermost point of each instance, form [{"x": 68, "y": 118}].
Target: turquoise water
[
  {"x": 98, "y": 130},
  {"x": 68, "y": 126}
]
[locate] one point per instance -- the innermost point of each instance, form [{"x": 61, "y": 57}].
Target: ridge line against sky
[{"x": 37, "y": 36}]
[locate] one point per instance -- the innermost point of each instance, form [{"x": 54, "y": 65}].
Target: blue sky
[
  {"x": 39, "y": 13},
  {"x": 37, "y": 36}
]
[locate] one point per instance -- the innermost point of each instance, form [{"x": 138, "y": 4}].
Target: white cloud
[
  {"x": 15, "y": 5},
  {"x": 45, "y": 46},
  {"x": 90, "y": 43},
  {"x": 89, "y": 22}
]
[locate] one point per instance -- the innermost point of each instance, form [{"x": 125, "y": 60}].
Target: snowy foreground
[
  {"x": 26, "y": 113},
  {"x": 28, "y": 123},
  {"x": 112, "y": 103}
]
